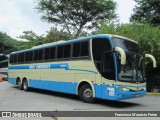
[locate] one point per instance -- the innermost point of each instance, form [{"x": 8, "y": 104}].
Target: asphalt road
[{"x": 12, "y": 99}]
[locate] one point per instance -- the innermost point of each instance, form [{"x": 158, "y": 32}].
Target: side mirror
[
  {"x": 123, "y": 55},
  {"x": 152, "y": 58}
]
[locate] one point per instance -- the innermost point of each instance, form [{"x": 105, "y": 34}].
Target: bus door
[
  {"x": 108, "y": 73},
  {"x": 99, "y": 46}
]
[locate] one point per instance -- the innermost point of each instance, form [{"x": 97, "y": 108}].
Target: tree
[
  {"x": 54, "y": 35},
  {"x": 7, "y": 44},
  {"x": 75, "y": 15},
  {"x": 145, "y": 34},
  {"x": 32, "y": 39},
  {"x": 147, "y": 11},
  {"x": 30, "y": 36}
]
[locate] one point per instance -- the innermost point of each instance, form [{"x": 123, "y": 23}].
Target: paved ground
[{"x": 12, "y": 99}]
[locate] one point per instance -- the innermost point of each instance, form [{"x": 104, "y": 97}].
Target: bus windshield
[
  {"x": 126, "y": 45},
  {"x": 133, "y": 70}
]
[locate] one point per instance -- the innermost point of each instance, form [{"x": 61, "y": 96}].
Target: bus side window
[
  {"x": 29, "y": 56},
  {"x": 76, "y": 49},
  {"x": 81, "y": 49},
  {"x": 20, "y": 57},
  {"x": 67, "y": 51},
  {"x": 49, "y": 53},
  {"x": 52, "y": 53},
  {"x": 108, "y": 69},
  {"x": 84, "y": 48},
  {"x": 15, "y": 58},
  {"x": 60, "y": 52},
  {"x": 46, "y": 53},
  {"x": 11, "y": 59},
  {"x": 38, "y": 55},
  {"x": 99, "y": 46}
]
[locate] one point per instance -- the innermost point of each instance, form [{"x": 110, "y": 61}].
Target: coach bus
[
  {"x": 100, "y": 66},
  {"x": 4, "y": 69}
]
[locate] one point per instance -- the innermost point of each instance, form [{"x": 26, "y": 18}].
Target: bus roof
[{"x": 71, "y": 41}]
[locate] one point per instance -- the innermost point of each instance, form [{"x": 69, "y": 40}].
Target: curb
[{"x": 152, "y": 93}]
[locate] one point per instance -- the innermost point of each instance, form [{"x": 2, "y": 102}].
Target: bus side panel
[
  {"x": 97, "y": 91},
  {"x": 12, "y": 77},
  {"x": 65, "y": 87},
  {"x": 59, "y": 80},
  {"x": 12, "y": 80},
  {"x": 36, "y": 84},
  {"x": 98, "y": 87}
]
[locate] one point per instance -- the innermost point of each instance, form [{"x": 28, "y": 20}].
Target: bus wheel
[
  {"x": 25, "y": 85},
  {"x": 86, "y": 94},
  {"x": 20, "y": 87}
]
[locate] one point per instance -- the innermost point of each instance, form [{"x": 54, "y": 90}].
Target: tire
[
  {"x": 25, "y": 85},
  {"x": 19, "y": 84},
  {"x": 86, "y": 94}
]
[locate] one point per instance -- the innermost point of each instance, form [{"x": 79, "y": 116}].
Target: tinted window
[
  {"x": 52, "y": 52},
  {"x": 60, "y": 52},
  {"x": 67, "y": 50},
  {"x": 15, "y": 58},
  {"x": 21, "y": 57},
  {"x": 38, "y": 55},
  {"x": 99, "y": 46},
  {"x": 29, "y": 56},
  {"x": 76, "y": 49},
  {"x": 84, "y": 49},
  {"x": 11, "y": 58},
  {"x": 81, "y": 49},
  {"x": 47, "y": 53},
  {"x": 108, "y": 69}
]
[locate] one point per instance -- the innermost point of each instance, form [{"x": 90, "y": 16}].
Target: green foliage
[
  {"x": 28, "y": 35},
  {"x": 54, "y": 35},
  {"x": 31, "y": 39},
  {"x": 146, "y": 35},
  {"x": 31, "y": 36},
  {"x": 147, "y": 11},
  {"x": 6, "y": 44},
  {"x": 75, "y": 15}
]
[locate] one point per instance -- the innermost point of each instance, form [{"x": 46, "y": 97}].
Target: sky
[{"x": 17, "y": 16}]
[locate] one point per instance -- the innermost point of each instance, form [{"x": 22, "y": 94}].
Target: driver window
[
  {"x": 99, "y": 46},
  {"x": 108, "y": 69}
]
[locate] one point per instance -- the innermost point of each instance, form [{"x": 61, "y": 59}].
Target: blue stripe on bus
[
  {"x": 102, "y": 91},
  {"x": 83, "y": 70},
  {"x": 12, "y": 80},
  {"x": 48, "y": 66},
  {"x": 65, "y": 87},
  {"x": 40, "y": 66}
]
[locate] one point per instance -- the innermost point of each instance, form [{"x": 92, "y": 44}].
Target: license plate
[{"x": 137, "y": 95}]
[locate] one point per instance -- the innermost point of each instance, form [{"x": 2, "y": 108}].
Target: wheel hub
[{"x": 88, "y": 93}]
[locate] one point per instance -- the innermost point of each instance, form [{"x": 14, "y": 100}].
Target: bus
[
  {"x": 101, "y": 66},
  {"x": 4, "y": 69}
]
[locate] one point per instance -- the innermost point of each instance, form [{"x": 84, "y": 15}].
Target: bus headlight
[{"x": 124, "y": 88}]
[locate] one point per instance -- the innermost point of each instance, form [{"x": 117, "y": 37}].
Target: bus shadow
[
  {"x": 117, "y": 104},
  {"x": 55, "y": 94},
  {"x": 107, "y": 103}
]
